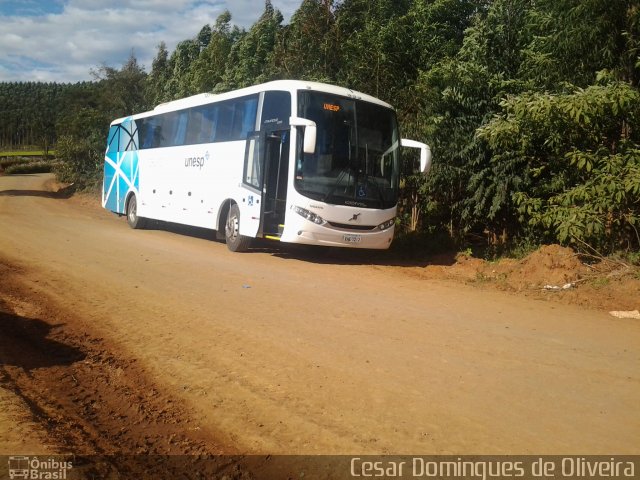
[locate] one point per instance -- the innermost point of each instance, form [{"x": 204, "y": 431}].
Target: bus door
[
  {"x": 275, "y": 135},
  {"x": 252, "y": 180},
  {"x": 274, "y": 188}
]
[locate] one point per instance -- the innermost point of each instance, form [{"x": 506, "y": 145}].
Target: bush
[
  {"x": 8, "y": 162},
  {"x": 578, "y": 158},
  {"x": 80, "y": 160},
  {"x": 30, "y": 167}
]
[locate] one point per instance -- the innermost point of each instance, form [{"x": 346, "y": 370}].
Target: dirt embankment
[{"x": 552, "y": 273}]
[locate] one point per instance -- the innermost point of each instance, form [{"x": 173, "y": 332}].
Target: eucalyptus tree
[
  {"x": 250, "y": 53},
  {"x": 306, "y": 48},
  {"x": 159, "y": 76},
  {"x": 208, "y": 70}
]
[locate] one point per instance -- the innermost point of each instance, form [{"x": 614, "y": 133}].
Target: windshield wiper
[
  {"x": 339, "y": 178},
  {"x": 368, "y": 180}
]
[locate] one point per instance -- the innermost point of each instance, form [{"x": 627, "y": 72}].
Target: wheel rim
[
  {"x": 232, "y": 227},
  {"x": 132, "y": 210}
]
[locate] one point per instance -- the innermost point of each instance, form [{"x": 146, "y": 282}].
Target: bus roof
[{"x": 288, "y": 85}]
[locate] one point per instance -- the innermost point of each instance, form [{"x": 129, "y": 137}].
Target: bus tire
[
  {"x": 133, "y": 219},
  {"x": 235, "y": 241}
]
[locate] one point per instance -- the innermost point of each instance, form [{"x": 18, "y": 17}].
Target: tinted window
[
  {"x": 235, "y": 119},
  {"x": 219, "y": 122},
  {"x": 112, "y": 140},
  {"x": 149, "y": 131},
  {"x": 168, "y": 126},
  {"x": 276, "y": 109}
]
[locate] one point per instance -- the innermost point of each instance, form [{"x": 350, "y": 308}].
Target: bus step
[
  {"x": 280, "y": 229},
  {"x": 273, "y": 237}
]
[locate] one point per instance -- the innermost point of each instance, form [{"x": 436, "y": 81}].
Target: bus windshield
[{"x": 356, "y": 160}]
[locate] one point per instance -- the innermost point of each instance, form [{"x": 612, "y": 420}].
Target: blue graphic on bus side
[{"x": 121, "y": 174}]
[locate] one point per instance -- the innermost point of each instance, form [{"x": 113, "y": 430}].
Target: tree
[
  {"x": 207, "y": 72},
  {"x": 375, "y": 54},
  {"x": 249, "y": 54},
  {"x": 305, "y": 49},
  {"x": 571, "y": 40},
  {"x": 159, "y": 76},
  {"x": 123, "y": 89},
  {"x": 180, "y": 63},
  {"x": 580, "y": 155}
]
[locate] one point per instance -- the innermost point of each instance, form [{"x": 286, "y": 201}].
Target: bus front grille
[{"x": 353, "y": 227}]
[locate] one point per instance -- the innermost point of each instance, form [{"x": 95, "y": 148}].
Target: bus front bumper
[{"x": 321, "y": 235}]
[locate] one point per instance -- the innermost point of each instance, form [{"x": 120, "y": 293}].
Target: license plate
[{"x": 352, "y": 238}]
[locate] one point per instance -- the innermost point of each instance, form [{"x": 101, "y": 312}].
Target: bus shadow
[
  {"x": 186, "y": 230},
  {"x": 349, "y": 256},
  {"x": 317, "y": 254}
]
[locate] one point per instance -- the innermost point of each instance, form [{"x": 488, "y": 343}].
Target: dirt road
[{"x": 164, "y": 342}]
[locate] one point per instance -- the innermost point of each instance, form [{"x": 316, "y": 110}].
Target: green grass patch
[
  {"x": 600, "y": 282},
  {"x": 26, "y": 153}
]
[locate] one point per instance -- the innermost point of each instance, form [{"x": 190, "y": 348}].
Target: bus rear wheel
[
  {"x": 133, "y": 219},
  {"x": 235, "y": 241}
]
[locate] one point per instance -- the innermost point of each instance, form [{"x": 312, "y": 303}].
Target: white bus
[{"x": 293, "y": 161}]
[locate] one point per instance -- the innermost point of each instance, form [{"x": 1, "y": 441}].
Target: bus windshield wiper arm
[
  {"x": 339, "y": 178},
  {"x": 368, "y": 179}
]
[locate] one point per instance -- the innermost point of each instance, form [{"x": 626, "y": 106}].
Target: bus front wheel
[
  {"x": 235, "y": 241},
  {"x": 133, "y": 219}
]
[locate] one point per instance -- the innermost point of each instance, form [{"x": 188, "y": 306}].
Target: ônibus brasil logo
[{"x": 38, "y": 468}]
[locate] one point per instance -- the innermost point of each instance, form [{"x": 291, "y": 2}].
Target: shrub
[
  {"x": 80, "y": 160},
  {"x": 8, "y": 162},
  {"x": 30, "y": 167},
  {"x": 578, "y": 157}
]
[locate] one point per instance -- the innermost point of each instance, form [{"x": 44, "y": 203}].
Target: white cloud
[{"x": 65, "y": 46}]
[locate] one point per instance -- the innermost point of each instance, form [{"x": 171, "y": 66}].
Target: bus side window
[
  {"x": 114, "y": 137},
  {"x": 128, "y": 136},
  {"x": 193, "y": 127},
  {"x": 147, "y": 131},
  {"x": 276, "y": 109},
  {"x": 168, "y": 124},
  {"x": 225, "y": 117},
  {"x": 208, "y": 124},
  {"x": 253, "y": 170},
  {"x": 246, "y": 111},
  {"x": 133, "y": 131},
  {"x": 181, "y": 130},
  {"x": 236, "y": 119}
]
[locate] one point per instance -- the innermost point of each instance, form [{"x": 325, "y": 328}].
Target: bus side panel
[
  {"x": 121, "y": 174},
  {"x": 109, "y": 188},
  {"x": 188, "y": 184},
  {"x": 128, "y": 180}
]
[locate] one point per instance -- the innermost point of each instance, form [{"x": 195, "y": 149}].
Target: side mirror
[
  {"x": 425, "y": 153},
  {"x": 310, "y": 132}
]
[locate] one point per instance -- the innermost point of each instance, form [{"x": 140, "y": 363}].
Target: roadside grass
[
  {"x": 26, "y": 161},
  {"x": 26, "y": 153}
]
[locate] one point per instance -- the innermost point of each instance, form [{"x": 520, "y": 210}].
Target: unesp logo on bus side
[
  {"x": 196, "y": 161},
  {"x": 37, "y": 468}
]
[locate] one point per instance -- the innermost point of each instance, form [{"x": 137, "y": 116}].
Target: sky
[{"x": 63, "y": 40}]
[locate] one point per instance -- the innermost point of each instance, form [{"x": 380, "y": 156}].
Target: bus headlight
[
  {"x": 312, "y": 217},
  {"x": 387, "y": 224}
]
